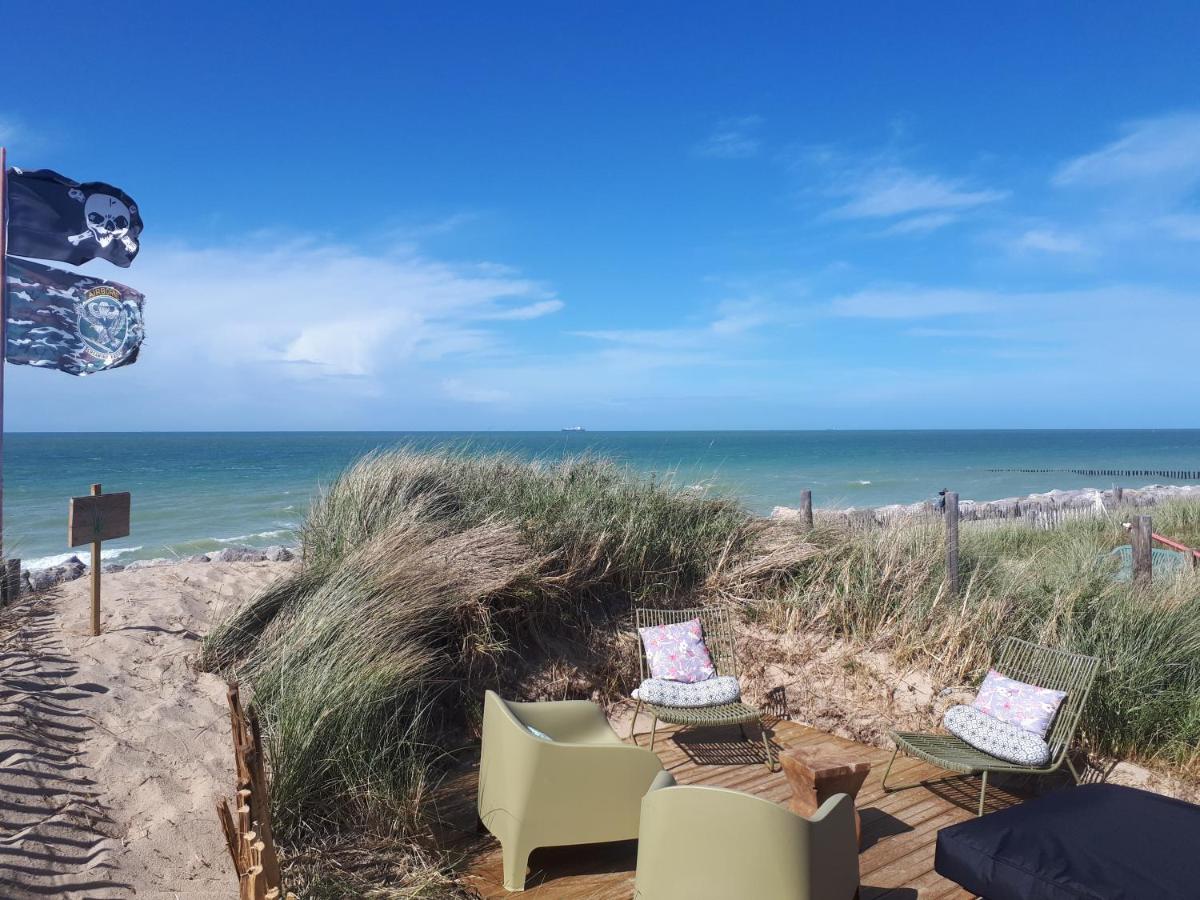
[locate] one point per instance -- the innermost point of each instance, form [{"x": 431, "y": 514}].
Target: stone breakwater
[
  {"x": 1081, "y": 501},
  {"x": 40, "y": 580}
]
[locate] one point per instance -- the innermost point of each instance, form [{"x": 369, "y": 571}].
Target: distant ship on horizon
[{"x": 574, "y": 428}]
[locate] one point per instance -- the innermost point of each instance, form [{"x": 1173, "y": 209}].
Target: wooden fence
[{"x": 1032, "y": 514}]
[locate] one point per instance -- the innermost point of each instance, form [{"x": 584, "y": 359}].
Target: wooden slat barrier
[{"x": 247, "y": 828}]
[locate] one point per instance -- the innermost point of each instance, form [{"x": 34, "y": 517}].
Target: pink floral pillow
[
  {"x": 677, "y": 652},
  {"x": 1026, "y": 706}
]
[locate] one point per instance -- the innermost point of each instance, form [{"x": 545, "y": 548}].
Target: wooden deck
[{"x": 899, "y": 829}]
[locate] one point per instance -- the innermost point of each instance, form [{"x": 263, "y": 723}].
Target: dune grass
[
  {"x": 430, "y": 576},
  {"x": 885, "y": 587}
]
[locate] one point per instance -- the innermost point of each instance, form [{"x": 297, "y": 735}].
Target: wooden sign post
[{"x": 90, "y": 520}]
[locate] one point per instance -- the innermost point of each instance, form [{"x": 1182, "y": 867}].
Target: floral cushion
[
  {"x": 1026, "y": 706},
  {"x": 711, "y": 692},
  {"x": 999, "y": 739},
  {"x": 677, "y": 652}
]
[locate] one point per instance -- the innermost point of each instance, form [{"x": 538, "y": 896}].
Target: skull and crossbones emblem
[{"x": 107, "y": 219}]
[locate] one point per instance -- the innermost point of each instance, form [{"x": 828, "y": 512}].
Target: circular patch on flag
[{"x": 104, "y": 323}]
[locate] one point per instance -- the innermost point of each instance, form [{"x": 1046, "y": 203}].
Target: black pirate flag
[
  {"x": 70, "y": 322},
  {"x": 52, "y": 217}
]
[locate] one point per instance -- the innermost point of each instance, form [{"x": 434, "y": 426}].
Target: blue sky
[{"x": 631, "y": 215}]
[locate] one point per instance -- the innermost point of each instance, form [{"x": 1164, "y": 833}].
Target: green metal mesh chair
[
  {"x": 718, "y": 638},
  {"x": 1045, "y": 667}
]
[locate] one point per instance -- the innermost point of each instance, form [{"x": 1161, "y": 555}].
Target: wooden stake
[
  {"x": 95, "y": 576},
  {"x": 1143, "y": 559},
  {"x": 952, "y": 543},
  {"x": 806, "y": 515},
  {"x": 229, "y": 829}
]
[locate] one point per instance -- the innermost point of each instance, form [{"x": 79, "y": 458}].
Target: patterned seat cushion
[
  {"x": 676, "y": 652},
  {"x": 996, "y": 738},
  {"x": 713, "y": 692}
]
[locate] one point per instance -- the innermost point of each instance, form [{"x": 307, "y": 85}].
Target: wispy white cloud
[
  {"x": 733, "y": 319},
  {"x": 732, "y": 139},
  {"x": 312, "y": 310},
  {"x": 467, "y": 392},
  {"x": 897, "y": 191},
  {"x": 1181, "y": 226},
  {"x": 526, "y": 312},
  {"x": 1049, "y": 240},
  {"x": 923, "y": 223},
  {"x": 911, "y": 302},
  {"x": 1162, "y": 151}
]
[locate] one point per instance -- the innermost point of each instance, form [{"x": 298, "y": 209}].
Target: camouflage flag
[
  {"x": 52, "y": 217},
  {"x": 70, "y": 322}
]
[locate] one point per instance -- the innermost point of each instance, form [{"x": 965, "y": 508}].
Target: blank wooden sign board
[{"x": 91, "y": 520}]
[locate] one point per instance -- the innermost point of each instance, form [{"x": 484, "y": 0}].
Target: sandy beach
[{"x": 113, "y": 748}]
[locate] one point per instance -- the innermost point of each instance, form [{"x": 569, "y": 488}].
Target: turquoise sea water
[{"x": 194, "y": 492}]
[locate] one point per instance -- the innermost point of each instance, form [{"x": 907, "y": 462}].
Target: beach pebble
[
  {"x": 278, "y": 554},
  {"x": 112, "y": 567}
]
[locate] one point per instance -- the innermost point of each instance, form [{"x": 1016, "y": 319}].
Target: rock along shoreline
[{"x": 40, "y": 580}]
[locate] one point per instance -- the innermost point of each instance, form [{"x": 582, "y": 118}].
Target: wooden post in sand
[
  {"x": 1140, "y": 541},
  {"x": 96, "y": 575},
  {"x": 951, "y": 513},
  {"x": 91, "y": 520},
  {"x": 806, "y": 515}
]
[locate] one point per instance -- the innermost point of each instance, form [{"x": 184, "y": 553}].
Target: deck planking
[{"x": 899, "y": 829}]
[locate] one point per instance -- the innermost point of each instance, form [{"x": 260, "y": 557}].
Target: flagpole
[{"x": 3, "y": 344}]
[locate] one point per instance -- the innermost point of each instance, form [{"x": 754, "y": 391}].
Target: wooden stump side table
[{"x": 817, "y": 773}]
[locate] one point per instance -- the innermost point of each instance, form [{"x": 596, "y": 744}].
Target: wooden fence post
[
  {"x": 1139, "y": 538},
  {"x": 806, "y": 515},
  {"x": 951, "y": 513},
  {"x": 95, "y": 573},
  {"x": 1118, "y": 495}
]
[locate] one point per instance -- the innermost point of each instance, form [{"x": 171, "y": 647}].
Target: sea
[{"x": 198, "y": 492}]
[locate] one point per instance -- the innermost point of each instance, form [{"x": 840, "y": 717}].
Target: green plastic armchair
[
  {"x": 706, "y": 843},
  {"x": 582, "y": 785}
]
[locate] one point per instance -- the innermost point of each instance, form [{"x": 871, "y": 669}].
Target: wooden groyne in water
[{"x": 1173, "y": 474}]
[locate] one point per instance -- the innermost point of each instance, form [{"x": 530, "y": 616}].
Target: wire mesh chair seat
[
  {"x": 1059, "y": 670},
  {"x": 717, "y": 630}
]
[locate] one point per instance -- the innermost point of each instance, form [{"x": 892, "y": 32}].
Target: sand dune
[{"x": 112, "y": 748}]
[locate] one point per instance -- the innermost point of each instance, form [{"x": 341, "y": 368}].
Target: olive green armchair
[
  {"x": 580, "y": 784},
  {"x": 706, "y": 843}
]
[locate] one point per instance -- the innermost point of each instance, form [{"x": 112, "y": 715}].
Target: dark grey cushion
[{"x": 1096, "y": 842}]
